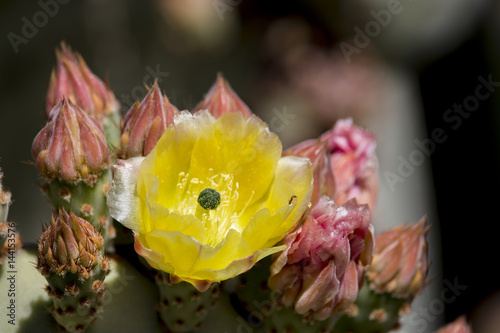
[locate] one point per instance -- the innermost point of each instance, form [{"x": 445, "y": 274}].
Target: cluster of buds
[
  {"x": 72, "y": 154},
  {"x": 72, "y": 151},
  {"x": 70, "y": 257},
  {"x": 332, "y": 265}
]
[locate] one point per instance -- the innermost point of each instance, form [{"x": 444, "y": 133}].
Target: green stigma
[{"x": 209, "y": 198}]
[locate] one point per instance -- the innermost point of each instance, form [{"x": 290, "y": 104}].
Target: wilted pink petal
[
  {"x": 353, "y": 162},
  {"x": 318, "y": 272},
  {"x": 221, "y": 99}
]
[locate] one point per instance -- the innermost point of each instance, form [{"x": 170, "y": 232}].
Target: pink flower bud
[
  {"x": 400, "y": 263},
  {"x": 322, "y": 267},
  {"x": 71, "y": 146},
  {"x": 315, "y": 150},
  {"x": 146, "y": 122},
  {"x": 73, "y": 79},
  {"x": 353, "y": 162},
  {"x": 458, "y": 326},
  {"x": 221, "y": 99}
]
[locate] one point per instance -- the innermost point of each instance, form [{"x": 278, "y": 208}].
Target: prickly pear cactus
[
  {"x": 70, "y": 257},
  {"x": 182, "y": 308},
  {"x": 373, "y": 312},
  {"x": 112, "y": 131},
  {"x": 86, "y": 201},
  {"x": 261, "y": 309},
  {"x": 72, "y": 156},
  {"x": 123, "y": 284}
]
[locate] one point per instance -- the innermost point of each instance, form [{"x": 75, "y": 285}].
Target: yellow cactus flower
[{"x": 212, "y": 198}]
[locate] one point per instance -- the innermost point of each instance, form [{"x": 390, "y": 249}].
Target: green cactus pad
[
  {"x": 112, "y": 132},
  {"x": 259, "y": 309},
  {"x": 88, "y": 202},
  {"x": 373, "y": 312},
  {"x": 129, "y": 295},
  {"x": 182, "y": 308}
]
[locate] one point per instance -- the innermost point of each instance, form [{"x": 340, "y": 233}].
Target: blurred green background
[{"x": 396, "y": 67}]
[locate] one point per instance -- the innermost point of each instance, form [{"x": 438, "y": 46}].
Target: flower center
[
  {"x": 209, "y": 198},
  {"x": 214, "y": 200}
]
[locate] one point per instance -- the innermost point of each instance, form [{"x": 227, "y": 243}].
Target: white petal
[{"x": 122, "y": 199}]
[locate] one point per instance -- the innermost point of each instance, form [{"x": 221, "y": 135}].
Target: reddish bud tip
[
  {"x": 222, "y": 99},
  {"x": 400, "y": 262},
  {"x": 145, "y": 123},
  {"x": 73, "y": 79}
]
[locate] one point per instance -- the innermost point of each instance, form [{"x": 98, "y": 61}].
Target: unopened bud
[
  {"x": 145, "y": 123},
  {"x": 222, "y": 99},
  {"x": 71, "y": 146},
  {"x": 75, "y": 80},
  {"x": 400, "y": 264},
  {"x": 69, "y": 244}
]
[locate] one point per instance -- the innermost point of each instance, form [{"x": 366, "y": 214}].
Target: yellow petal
[
  {"x": 292, "y": 185},
  {"x": 172, "y": 155},
  {"x": 243, "y": 149},
  {"x": 178, "y": 250},
  {"x": 122, "y": 198}
]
